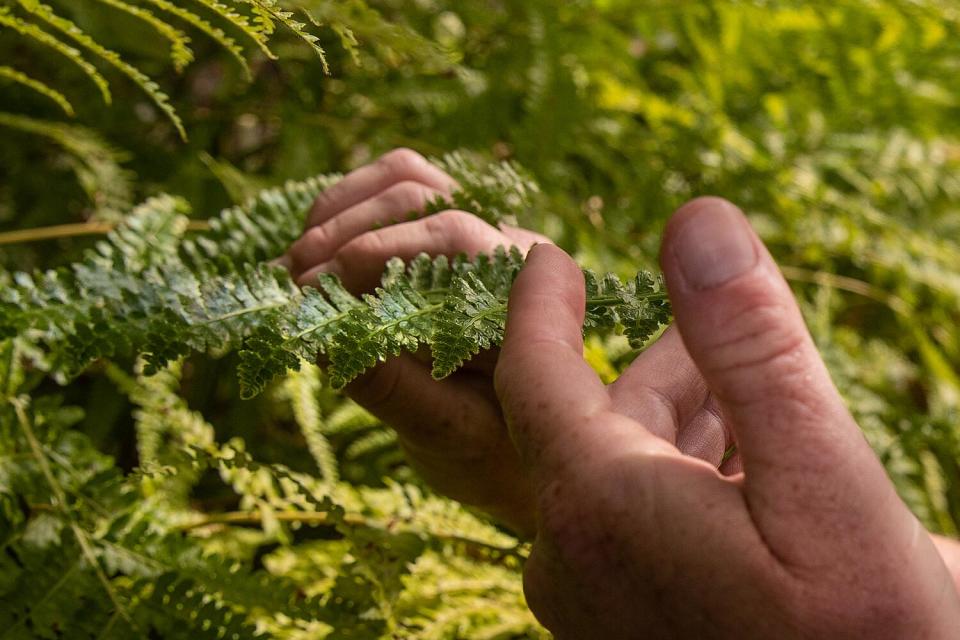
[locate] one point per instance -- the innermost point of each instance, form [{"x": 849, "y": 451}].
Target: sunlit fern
[{"x": 40, "y": 25}]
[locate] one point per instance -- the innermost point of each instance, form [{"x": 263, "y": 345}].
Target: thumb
[{"x": 743, "y": 329}]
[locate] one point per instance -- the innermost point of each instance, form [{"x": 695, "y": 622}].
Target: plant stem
[
  {"x": 76, "y": 229},
  {"x": 60, "y": 500},
  {"x": 473, "y": 548},
  {"x": 844, "y": 283}
]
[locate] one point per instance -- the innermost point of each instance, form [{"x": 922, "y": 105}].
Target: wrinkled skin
[
  {"x": 641, "y": 530},
  {"x": 453, "y": 430},
  {"x": 635, "y": 538}
]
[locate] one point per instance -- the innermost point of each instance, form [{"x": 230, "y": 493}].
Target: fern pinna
[{"x": 149, "y": 290}]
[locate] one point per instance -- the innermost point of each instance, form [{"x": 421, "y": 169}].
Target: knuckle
[
  {"x": 403, "y": 162},
  {"x": 316, "y": 237},
  {"x": 376, "y": 388},
  {"x": 460, "y": 229},
  {"x": 313, "y": 241},
  {"x": 766, "y": 337},
  {"x": 407, "y": 195},
  {"x": 369, "y": 246}
]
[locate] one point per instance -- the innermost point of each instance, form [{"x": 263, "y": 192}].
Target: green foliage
[
  {"x": 147, "y": 290},
  {"x": 293, "y": 515},
  {"x": 67, "y": 35},
  {"x": 95, "y": 163}
]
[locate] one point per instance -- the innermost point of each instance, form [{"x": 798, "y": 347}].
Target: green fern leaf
[
  {"x": 639, "y": 308},
  {"x": 268, "y": 11},
  {"x": 40, "y": 87},
  {"x": 71, "y": 53},
  {"x": 252, "y": 30},
  {"x": 180, "y": 52},
  {"x": 215, "y": 33},
  {"x": 395, "y": 319},
  {"x": 72, "y": 31},
  {"x": 472, "y": 319}
]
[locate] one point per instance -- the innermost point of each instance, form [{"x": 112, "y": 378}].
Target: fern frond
[
  {"x": 301, "y": 388},
  {"x": 241, "y": 22},
  {"x": 96, "y": 163},
  {"x": 148, "y": 291},
  {"x": 36, "y": 85},
  {"x": 180, "y": 52},
  {"x": 263, "y": 227},
  {"x": 73, "y": 54},
  {"x": 494, "y": 191},
  {"x": 215, "y": 33},
  {"x": 396, "y": 319},
  {"x": 268, "y": 11},
  {"x": 471, "y": 320},
  {"x": 145, "y": 83}
]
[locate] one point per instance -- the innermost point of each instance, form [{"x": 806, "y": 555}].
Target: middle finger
[{"x": 319, "y": 243}]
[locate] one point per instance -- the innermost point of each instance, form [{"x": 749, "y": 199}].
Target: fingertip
[
  {"x": 549, "y": 258},
  {"x": 699, "y": 206},
  {"x": 707, "y": 243},
  {"x": 550, "y": 271},
  {"x": 547, "y": 300}
]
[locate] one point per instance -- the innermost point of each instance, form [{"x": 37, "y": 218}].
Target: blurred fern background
[{"x": 135, "y": 505}]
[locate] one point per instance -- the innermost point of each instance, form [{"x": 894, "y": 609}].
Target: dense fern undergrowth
[
  {"x": 151, "y": 294},
  {"x": 173, "y": 463}
]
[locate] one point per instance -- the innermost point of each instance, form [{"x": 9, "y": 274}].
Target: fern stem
[
  {"x": 75, "y": 229},
  {"x": 845, "y": 283},
  {"x": 242, "y": 312},
  {"x": 317, "y": 518},
  {"x": 612, "y": 301},
  {"x": 244, "y": 517},
  {"x": 60, "y": 498}
]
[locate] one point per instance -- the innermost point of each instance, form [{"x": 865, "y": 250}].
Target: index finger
[{"x": 546, "y": 389}]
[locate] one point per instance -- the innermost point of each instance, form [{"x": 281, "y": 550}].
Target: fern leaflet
[
  {"x": 75, "y": 33},
  {"x": 180, "y": 52},
  {"x": 71, "y": 53},
  {"x": 40, "y": 87}
]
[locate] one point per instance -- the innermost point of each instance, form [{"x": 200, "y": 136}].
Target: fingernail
[
  {"x": 714, "y": 246},
  {"x": 535, "y": 249}
]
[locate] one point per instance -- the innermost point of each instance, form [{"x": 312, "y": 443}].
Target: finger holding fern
[
  {"x": 349, "y": 231},
  {"x": 359, "y": 263},
  {"x": 451, "y": 430},
  {"x": 151, "y": 289},
  {"x": 397, "y": 166},
  {"x": 394, "y": 204}
]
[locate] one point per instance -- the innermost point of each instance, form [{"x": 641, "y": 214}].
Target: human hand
[
  {"x": 637, "y": 539},
  {"x": 451, "y": 430}
]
